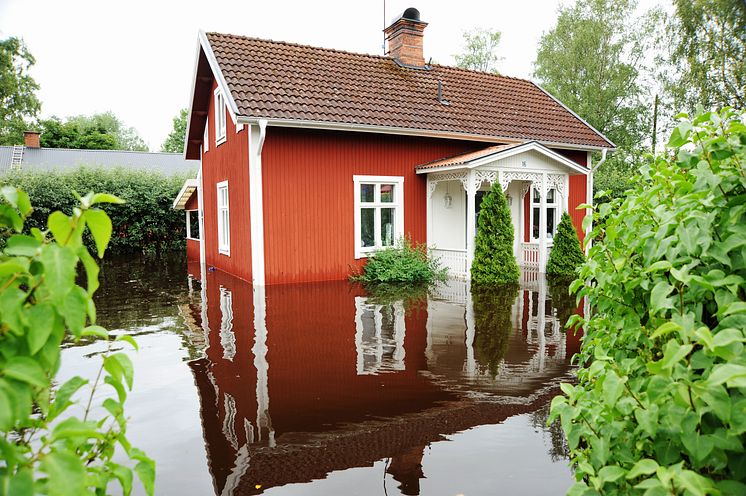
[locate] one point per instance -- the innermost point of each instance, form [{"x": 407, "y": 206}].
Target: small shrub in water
[
  {"x": 407, "y": 262},
  {"x": 566, "y": 255}
]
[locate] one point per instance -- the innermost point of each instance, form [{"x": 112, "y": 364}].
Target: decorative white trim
[
  {"x": 434, "y": 179},
  {"x": 397, "y": 205},
  {"x": 206, "y": 137},
  {"x": 224, "y": 248},
  {"x": 488, "y": 159},
  {"x": 256, "y": 136},
  {"x": 482, "y": 175}
]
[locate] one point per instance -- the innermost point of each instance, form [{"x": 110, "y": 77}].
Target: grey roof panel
[{"x": 66, "y": 159}]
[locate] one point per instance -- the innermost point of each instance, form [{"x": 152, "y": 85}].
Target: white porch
[{"x": 455, "y": 187}]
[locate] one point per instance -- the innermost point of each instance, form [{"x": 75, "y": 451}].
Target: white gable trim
[
  {"x": 210, "y": 55},
  {"x": 488, "y": 159},
  {"x": 184, "y": 193}
]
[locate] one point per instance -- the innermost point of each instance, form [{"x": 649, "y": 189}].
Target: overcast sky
[{"x": 136, "y": 57}]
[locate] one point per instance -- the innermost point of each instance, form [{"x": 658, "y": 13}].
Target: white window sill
[
  {"x": 219, "y": 141},
  {"x": 227, "y": 253},
  {"x": 193, "y": 239}
]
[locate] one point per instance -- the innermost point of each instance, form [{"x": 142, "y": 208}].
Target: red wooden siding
[
  {"x": 580, "y": 157},
  {"x": 192, "y": 203},
  {"x": 192, "y": 250},
  {"x": 577, "y": 197},
  {"x": 308, "y": 195},
  {"x": 227, "y": 161}
]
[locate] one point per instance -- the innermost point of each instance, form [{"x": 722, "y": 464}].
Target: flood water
[{"x": 320, "y": 389}]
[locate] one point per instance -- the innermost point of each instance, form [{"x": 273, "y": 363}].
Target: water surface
[{"x": 323, "y": 389}]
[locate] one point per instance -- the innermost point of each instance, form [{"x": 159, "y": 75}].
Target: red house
[{"x": 313, "y": 158}]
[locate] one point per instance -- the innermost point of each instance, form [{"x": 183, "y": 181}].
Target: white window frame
[
  {"x": 220, "y": 117},
  {"x": 397, "y": 205},
  {"x": 537, "y": 204},
  {"x": 224, "y": 230},
  {"x": 189, "y": 214},
  {"x": 206, "y": 138}
]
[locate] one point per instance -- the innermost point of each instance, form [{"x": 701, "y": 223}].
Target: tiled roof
[
  {"x": 65, "y": 159},
  {"x": 466, "y": 157},
  {"x": 278, "y": 80}
]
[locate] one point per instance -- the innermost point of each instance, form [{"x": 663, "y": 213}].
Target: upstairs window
[
  {"x": 224, "y": 225},
  {"x": 219, "y": 117},
  {"x": 379, "y": 212},
  {"x": 552, "y": 209}
]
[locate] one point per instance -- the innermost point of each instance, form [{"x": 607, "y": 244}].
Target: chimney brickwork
[
  {"x": 404, "y": 38},
  {"x": 31, "y": 139}
]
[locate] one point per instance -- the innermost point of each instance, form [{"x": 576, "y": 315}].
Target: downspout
[
  {"x": 201, "y": 218},
  {"x": 589, "y": 194},
  {"x": 263, "y": 134}
]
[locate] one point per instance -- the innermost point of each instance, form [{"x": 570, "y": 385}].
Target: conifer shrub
[
  {"x": 493, "y": 323},
  {"x": 407, "y": 262},
  {"x": 660, "y": 403},
  {"x": 494, "y": 261},
  {"x": 566, "y": 255}
]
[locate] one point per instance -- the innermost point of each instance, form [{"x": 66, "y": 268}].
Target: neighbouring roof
[
  {"x": 67, "y": 159},
  {"x": 466, "y": 157},
  {"x": 278, "y": 80}
]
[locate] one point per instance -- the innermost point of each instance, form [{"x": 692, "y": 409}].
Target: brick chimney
[
  {"x": 31, "y": 139},
  {"x": 404, "y": 39}
]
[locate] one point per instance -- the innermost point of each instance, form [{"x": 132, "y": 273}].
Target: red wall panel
[
  {"x": 227, "y": 161},
  {"x": 193, "y": 202},
  {"x": 192, "y": 250},
  {"x": 308, "y": 195},
  {"x": 577, "y": 196}
]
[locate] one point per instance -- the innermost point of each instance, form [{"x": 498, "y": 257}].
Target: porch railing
[
  {"x": 453, "y": 260},
  {"x": 530, "y": 256}
]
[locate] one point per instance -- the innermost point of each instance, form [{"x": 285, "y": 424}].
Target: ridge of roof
[{"x": 361, "y": 54}]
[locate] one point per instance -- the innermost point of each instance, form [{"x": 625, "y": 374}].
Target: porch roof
[
  {"x": 493, "y": 153},
  {"x": 187, "y": 190}
]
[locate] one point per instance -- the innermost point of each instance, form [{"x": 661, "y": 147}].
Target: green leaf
[
  {"x": 728, "y": 373},
  {"x": 664, "y": 329},
  {"x": 674, "y": 352},
  {"x": 59, "y": 270},
  {"x": 66, "y": 474},
  {"x": 73, "y": 427},
  {"x": 612, "y": 388},
  {"x": 146, "y": 473},
  {"x": 116, "y": 383},
  {"x": 61, "y": 226},
  {"x": 91, "y": 271},
  {"x": 96, "y": 331},
  {"x": 41, "y": 322},
  {"x": 611, "y": 473},
  {"x": 646, "y": 466},
  {"x": 26, "y": 370},
  {"x": 129, "y": 339},
  {"x": 64, "y": 394},
  {"x": 100, "y": 225},
  {"x": 659, "y": 296},
  {"x": 22, "y": 245},
  {"x": 21, "y": 483},
  {"x": 659, "y": 265},
  {"x": 125, "y": 363},
  {"x": 73, "y": 310},
  {"x": 105, "y": 198},
  {"x": 695, "y": 483},
  {"x": 124, "y": 475}
]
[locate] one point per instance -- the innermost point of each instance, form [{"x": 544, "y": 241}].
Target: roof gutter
[{"x": 366, "y": 128}]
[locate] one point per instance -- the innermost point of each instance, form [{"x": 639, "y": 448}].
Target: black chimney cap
[{"x": 411, "y": 14}]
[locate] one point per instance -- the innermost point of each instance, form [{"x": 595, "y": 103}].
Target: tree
[
  {"x": 659, "y": 403},
  {"x": 48, "y": 447},
  {"x": 708, "y": 56},
  {"x": 175, "y": 140},
  {"x": 18, "y": 101},
  {"x": 566, "y": 255},
  {"x": 479, "y": 51},
  {"x": 592, "y": 61},
  {"x": 494, "y": 260},
  {"x": 96, "y": 132}
]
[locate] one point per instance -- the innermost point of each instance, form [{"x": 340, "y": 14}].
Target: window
[
  {"x": 192, "y": 224},
  {"x": 552, "y": 206},
  {"x": 219, "y": 117},
  {"x": 227, "y": 338},
  {"x": 379, "y": 212},
  {"x": 379, "y": 337},
  {"x": 224, "y": 221}
]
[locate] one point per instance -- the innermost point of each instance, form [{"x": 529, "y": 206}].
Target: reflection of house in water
[{"x": 301, "y": 380}]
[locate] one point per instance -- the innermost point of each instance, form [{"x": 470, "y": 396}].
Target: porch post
[
  {"x": 429, "y": 210},
  {"x": 471, "y": 210},
  {"x": 543, "y": 224}
]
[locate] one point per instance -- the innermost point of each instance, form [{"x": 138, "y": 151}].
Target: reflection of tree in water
[
  {"x": 493, "y": 322},
  {"x": 558, "y": 449},
  {"x": 562, "y": 300}
]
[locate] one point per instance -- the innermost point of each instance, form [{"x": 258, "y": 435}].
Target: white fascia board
[
  {"x": 532, "y": 146},
  {"x": 222, "y": 84},
  {"x": 191, "y": 100},
  {"x": 427, "y": 133},
  {"x": 576, "y": 115}
]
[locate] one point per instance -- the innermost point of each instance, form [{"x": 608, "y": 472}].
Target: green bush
[
  {"x": 145, "y": 223},
  {"x": 660, "y": 404},
  {"x": 407, "y": 262},
  {"x": 494, "y": 260},
  {"x": 45, "y": 449},
  {"x": 566, "y": 255}
]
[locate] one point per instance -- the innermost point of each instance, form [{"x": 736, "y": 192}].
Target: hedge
[{"x": 145, "y": 223}]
